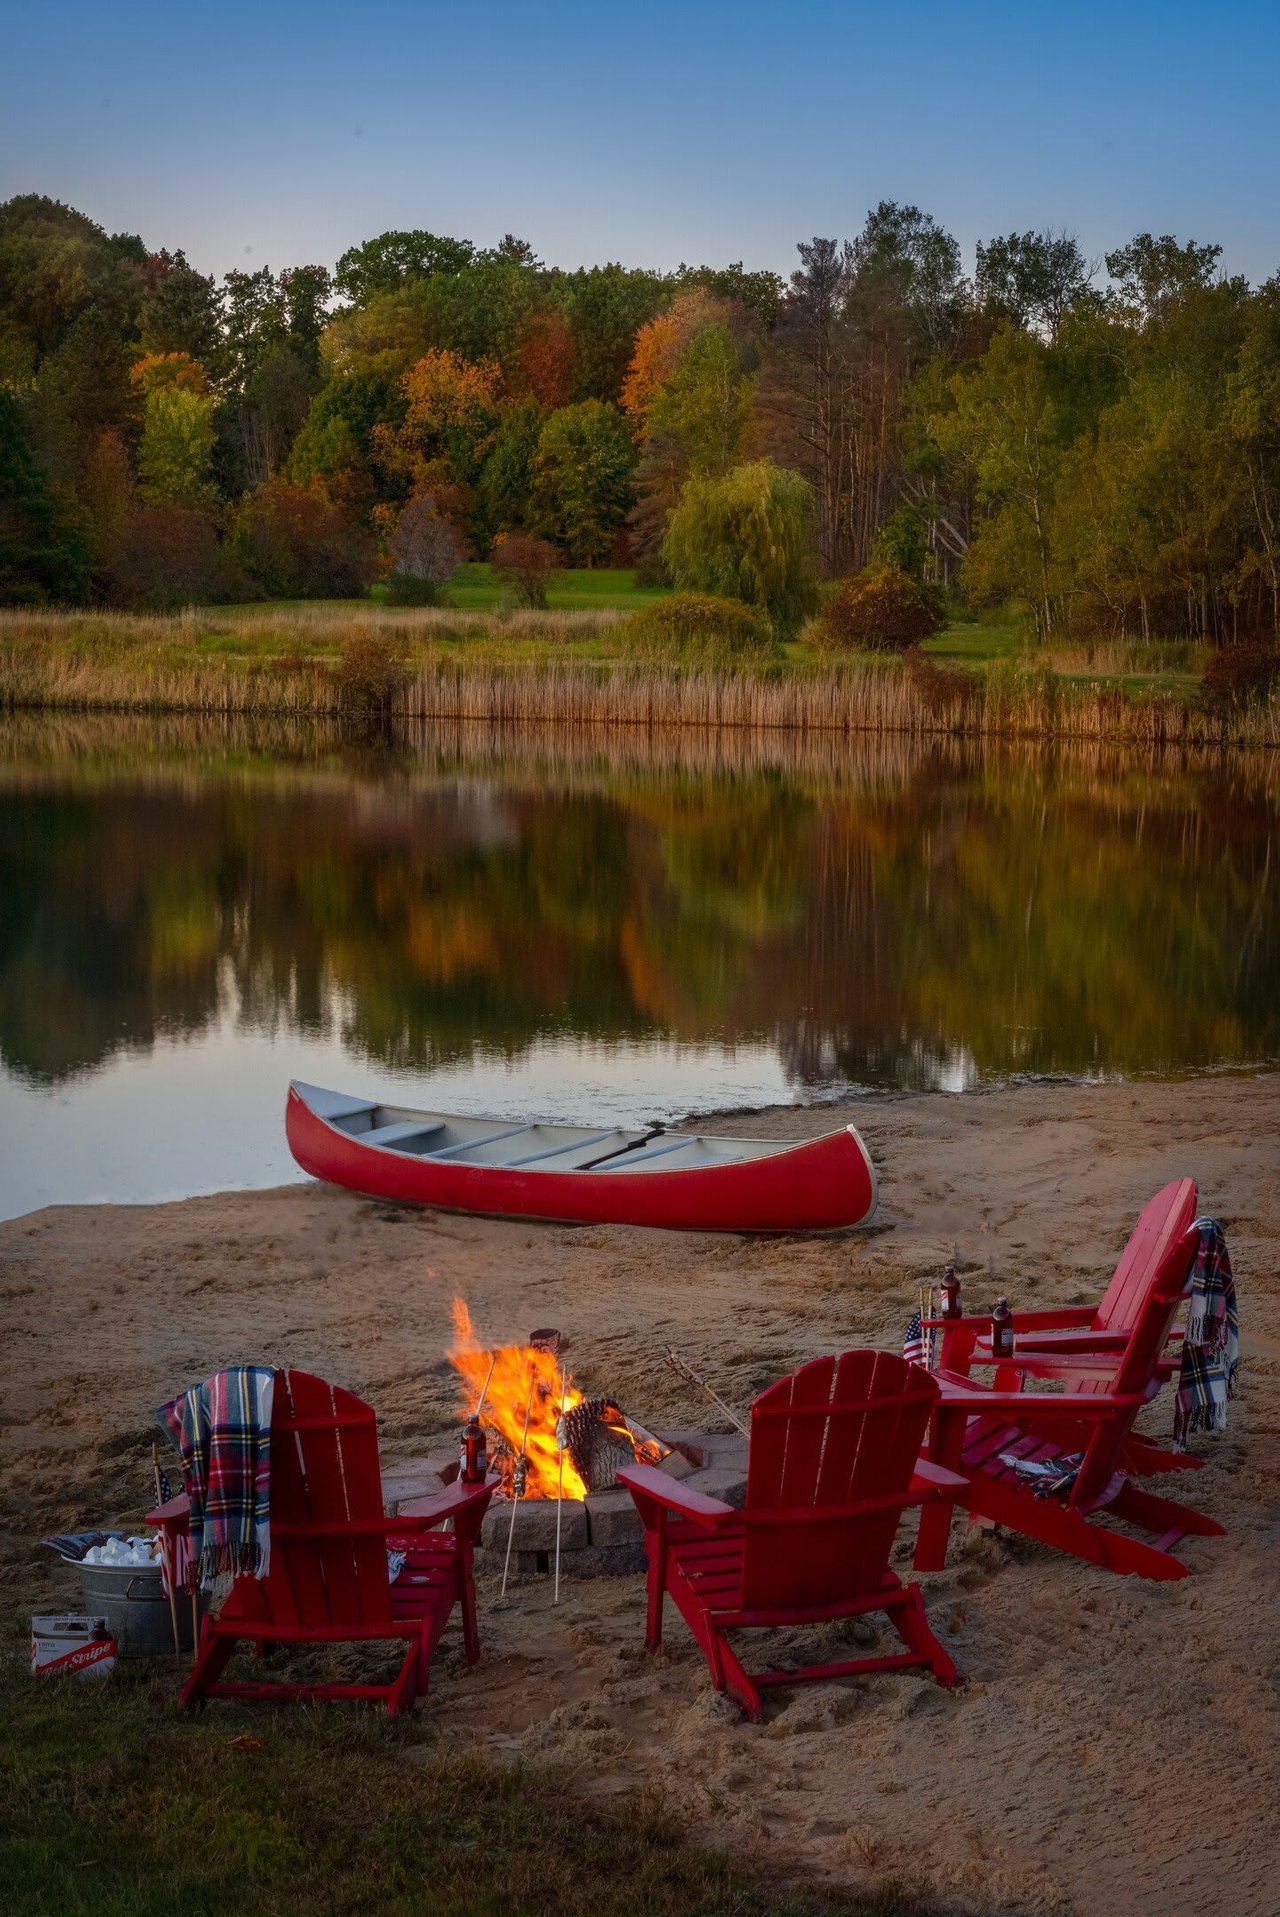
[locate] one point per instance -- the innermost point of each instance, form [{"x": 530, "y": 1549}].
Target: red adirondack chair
[
  {"x": 1082, "y": 1345},
  {"x": 1086, "y": 1330},
  {"x": 328, "y": 1582},
  {"x": 976, "y": 1430},
  {"x": 834, "y": 1460}
]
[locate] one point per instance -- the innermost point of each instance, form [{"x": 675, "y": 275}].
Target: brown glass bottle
[
  {"x": 473, "y": 1458},
  {"x": 1001, "y": 1329}
]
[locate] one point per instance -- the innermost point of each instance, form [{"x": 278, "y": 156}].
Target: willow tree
[{"x": 747, "y": 534}]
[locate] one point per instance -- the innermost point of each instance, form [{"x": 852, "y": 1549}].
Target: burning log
[{"x": 549, "y": 1439}]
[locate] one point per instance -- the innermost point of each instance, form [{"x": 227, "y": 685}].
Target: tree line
[{"x": 1097, "y": 442}]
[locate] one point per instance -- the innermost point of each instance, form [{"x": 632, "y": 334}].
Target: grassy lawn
[
  {"x": 113, "y": 1803},
  {"x": 971, "y": 644},
  {"x": 478, "y": 589}
]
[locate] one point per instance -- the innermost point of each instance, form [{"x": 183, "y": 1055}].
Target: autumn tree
[
  {"x": 176, "y": 449},
  {"x": 451, "y": 415}
]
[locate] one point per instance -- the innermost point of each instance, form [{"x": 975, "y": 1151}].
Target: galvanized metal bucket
[{"x": 136, "y": 1608}]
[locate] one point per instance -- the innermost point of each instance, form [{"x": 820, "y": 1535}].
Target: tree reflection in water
[{"x": 875, "y": 918}]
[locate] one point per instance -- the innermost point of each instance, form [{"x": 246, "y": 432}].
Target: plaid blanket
[
  {"x": 222, "y": 1429},
  {"x": 1211, "y": 1342}
]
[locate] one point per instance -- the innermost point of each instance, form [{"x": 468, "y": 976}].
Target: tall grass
[{"x": 155, "y": 664}]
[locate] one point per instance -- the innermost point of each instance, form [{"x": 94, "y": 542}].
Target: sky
[{"x": 280, "y": 134}]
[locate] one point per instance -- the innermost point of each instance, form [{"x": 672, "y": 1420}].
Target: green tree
[
  {"x": 582, "y": 486},
  {"x": 1004, "y": 424},
  {"x": 176, "y": 450},
  {"x": 43, "y": 537},
  {"x": 1033, "y": 279},
  {"x": 383, "y": 264},
  {"x": 747, "y": 534},
  {"x": 506, "y": 482},
  {"x": 181, "y": 310},
  {"x": 703, "y": 405}
]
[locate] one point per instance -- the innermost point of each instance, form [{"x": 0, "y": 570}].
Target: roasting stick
[
  {"x": 173, "y": 1599},
  {"x": 484, "y": 1390},
  {"x": 687, "y": 1372},
  {"x": 559, "y": 1482},
  {"x": 517, "y": 1481}
]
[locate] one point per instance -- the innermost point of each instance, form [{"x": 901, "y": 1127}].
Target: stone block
[
  {"x": 612, "y": 1518},
  {"x": 728, "y": 1482},
  {"x": 418, "y": 1477},
  {"x": 535, "y": 1527}
]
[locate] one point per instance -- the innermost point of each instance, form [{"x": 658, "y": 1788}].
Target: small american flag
[{"x": 917, "y": 1345}]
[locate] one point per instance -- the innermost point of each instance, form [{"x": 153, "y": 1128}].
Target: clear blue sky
[{"x": 280, "y": 133}]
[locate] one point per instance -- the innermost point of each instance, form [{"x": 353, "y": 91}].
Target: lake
[{"x": 191, "y": 915}]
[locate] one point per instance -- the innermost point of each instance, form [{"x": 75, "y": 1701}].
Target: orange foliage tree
[{"x": 659, "y": 347}]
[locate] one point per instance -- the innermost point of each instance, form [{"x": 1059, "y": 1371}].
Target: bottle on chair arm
[{"x": 1001, "y": 1329}]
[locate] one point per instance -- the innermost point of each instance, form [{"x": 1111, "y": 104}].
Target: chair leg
[
  {"x": 727, "y": 1674},
  {"x": 656, "y": 1551},
  {"x": 211, "y": 1660},
  {"x": 1162, "y": 1514},
  {"x": 910, "y": 1619},
  {"x": 467, "y": 1602}
]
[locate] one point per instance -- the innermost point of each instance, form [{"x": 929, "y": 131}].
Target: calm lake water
[{"x": 189, "y": 917}]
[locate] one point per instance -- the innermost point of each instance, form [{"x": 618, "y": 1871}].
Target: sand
[{"x": 1114, "y": 1748}]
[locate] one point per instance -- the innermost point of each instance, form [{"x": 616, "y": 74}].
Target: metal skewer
[
  {"x": 517, "y": 1481},
  {"x": 173, "y": 1597},
  {"x": 559, "y": 1482},
  {"x": 484, "y": 1389}
]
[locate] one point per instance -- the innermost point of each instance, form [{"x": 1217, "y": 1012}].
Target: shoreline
[
  {"x": 108, "y": 1309},
  {"x": 458, "y": 669}
]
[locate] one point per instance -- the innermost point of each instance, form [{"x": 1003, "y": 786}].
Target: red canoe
[{"x": 683, "y": 1181}]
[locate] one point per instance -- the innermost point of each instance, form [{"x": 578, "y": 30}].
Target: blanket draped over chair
[
  {"x": 1211, "y": 1343},
  {"x": 222, "y": 1429}
]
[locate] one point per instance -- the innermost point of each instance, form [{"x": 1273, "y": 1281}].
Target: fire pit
[{"x": 556, "y": 1453}]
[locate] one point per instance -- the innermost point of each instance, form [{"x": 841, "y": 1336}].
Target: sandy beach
[{"x": 1114, "y": 1749}]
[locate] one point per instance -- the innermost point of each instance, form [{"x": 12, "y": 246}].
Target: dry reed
[{"x": 118, "y": 662}]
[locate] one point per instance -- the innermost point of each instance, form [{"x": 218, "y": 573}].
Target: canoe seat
[{"x": 400, "y": 1134}]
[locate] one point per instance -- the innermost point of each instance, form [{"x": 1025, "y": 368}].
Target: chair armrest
[
  {"x": 1070, "y": 1318},
  {"x": 1035, "y": 1365},
  {"x": 655, "y": 1485},
  {"x": 454, "y": 1501},
  {"x": 1051, "y": 1343},
  {"x": 958, "y": 1394}
]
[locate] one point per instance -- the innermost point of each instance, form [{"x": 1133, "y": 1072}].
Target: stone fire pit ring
[{"x": 600, "y": 1536}]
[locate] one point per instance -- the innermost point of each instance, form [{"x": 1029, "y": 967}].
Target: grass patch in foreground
[{"x": 115, "y": 1803}]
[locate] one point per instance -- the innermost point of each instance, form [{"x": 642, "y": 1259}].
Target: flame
[{"x": 522, "y": 1376}]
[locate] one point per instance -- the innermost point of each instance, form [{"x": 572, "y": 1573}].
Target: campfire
[{"x": 546, "y": 1438}]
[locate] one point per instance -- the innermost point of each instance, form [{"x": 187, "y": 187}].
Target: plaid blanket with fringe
[
  {"x": 1211, "y": 1342},
  {"x": 222, "y": 1429}
]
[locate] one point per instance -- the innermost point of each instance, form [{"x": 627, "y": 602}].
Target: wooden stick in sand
[
  {"x": 173, "y": 1596},
  {"x": 686, "y": 1371},
  {"x": 517, "y": 1483},
  {"x": 559, "y": 1482}
]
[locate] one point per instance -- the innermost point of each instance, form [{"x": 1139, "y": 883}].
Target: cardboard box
[{"x": 71, "y": 1647}]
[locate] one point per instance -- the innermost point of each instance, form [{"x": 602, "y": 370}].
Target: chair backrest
[
  {"x": 1162, "y": 1222},
  {"x": 1136, "y": 1370},
  {"x": 328, "y": 1535},
  {"x": 836, "y": 1432}
]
